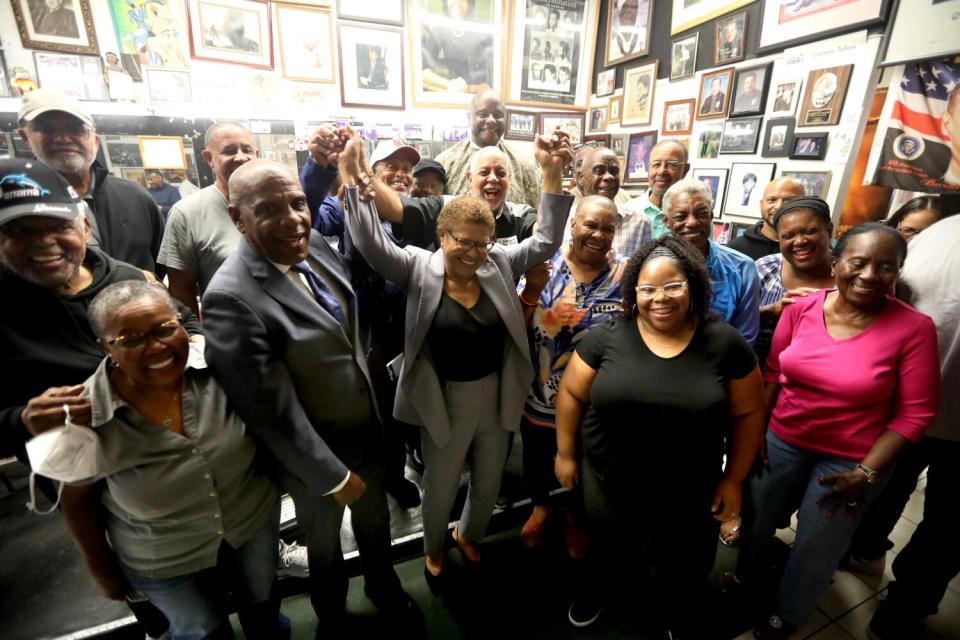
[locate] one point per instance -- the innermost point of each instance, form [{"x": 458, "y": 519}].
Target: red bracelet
[{"x": 526, "y": 302}]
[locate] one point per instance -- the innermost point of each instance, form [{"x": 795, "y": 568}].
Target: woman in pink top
[{"x": 852, "y": 377}]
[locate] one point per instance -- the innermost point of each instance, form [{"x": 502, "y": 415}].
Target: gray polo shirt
[
  {"x": 199, "y": 235},
  {"x": 171, "y": 499}
]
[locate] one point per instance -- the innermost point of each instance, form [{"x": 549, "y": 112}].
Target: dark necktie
[{"x": 321, "y": 292}]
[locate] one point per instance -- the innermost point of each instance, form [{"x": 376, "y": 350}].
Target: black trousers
[{"x": 539, "y": 451}]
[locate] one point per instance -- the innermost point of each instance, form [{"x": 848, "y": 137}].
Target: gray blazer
[{"x": 419, "y": 395}]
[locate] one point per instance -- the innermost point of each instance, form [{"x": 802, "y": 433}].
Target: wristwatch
[{"x": 872, "y": 476}]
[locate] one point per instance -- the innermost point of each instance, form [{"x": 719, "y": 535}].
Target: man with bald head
[
  {"x": 486, "y": 118},
  {"x": 579, "y": 154},
  {"x": 761, "y": 239},
  {"x": 668, "y": 164},
  {"x": 283, "y": 339}
]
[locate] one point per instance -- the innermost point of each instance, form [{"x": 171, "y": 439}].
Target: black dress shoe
[
  {"x": 405, "y": 493},
  {"x": 399, "y": 608},
  {"x": 438, "y": 583}
]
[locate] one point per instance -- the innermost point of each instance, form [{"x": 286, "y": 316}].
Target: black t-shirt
[
  {"x": 660, "y": 420},
  {"x": 514, "y": 224},
  {"x": 466, "y": 344}
]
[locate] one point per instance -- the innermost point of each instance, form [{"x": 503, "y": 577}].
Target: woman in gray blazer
[{"x": 466, "y": 361}]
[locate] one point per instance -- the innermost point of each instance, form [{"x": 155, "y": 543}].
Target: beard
[{"x": 72, "y": 164}]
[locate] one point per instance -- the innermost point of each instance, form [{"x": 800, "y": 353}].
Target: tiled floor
[{"x": 849, "y": 603}]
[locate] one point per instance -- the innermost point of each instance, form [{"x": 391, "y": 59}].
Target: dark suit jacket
[
  {"x": 712, "y": 104},
  {"x": 292, "y": 372}
]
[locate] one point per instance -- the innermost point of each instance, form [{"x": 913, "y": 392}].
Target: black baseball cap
[
  {"x": 430, "y": 165},
  {"x": 31, "y": 188}
]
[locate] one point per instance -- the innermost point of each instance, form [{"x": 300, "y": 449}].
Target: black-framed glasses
[
  {"x": 671, "y": 290},
  {"x": 161, "y": 332},
  {"x": 465, "y": 245},
  {"x": 78, "y": 130}
]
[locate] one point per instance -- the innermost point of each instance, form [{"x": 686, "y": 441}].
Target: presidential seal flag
[{"x": 918, "y": 143}]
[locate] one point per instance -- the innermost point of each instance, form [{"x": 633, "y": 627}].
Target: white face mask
[{"x": 70, "y": 454}]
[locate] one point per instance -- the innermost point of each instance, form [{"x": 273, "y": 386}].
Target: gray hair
[
  {"x": 677, "y": 142},
  {"x": 216, "y": 127},
  {"x": 691, "y": 186},
  {"x": 486, "y": 151},
  {"x": 104, "y": 306}
]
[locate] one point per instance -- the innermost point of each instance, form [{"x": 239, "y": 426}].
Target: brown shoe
[
  {"x": 535, "y": 528},
  {"x": 575, "y": 538}
]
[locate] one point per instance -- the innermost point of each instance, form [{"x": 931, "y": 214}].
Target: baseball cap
[
  {"x": 395, "y": 147},
  {"x": 430, "y": 165},
  {"x": 41, "y": 101},
  {"x": 31, "y": 188}
]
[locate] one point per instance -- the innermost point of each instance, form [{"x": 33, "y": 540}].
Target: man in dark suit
[
  {"x": 714, "y": 102},
  {"x": 284, "y": 342}
]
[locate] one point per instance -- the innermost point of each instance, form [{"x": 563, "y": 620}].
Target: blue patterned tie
[{"x": 321, "y": 292}]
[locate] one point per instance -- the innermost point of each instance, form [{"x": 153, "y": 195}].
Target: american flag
[{"x": 923, "y": 98}]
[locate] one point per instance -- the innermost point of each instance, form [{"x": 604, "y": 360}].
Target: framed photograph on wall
[
  {"x": 598, "y": 119},
  {"x": 740, "y": 135},
  {"x": 618, "y": 143},
  {"x": 730, "y": 41},
  {"x": 708, "y": 139},
  {"x": 809, "y": 146},
  {"x": 615, "y": 110},
  {"x": 162, "y": 152},
  {"x": 606, "y": 83},
  {"x": 778, "y": 140},
  {"x": 714, "y": 98},
  {"x": 716, "y": 179},
  {"x": 638, "y": 156},
  {"x": 788, "y": 24},
  {"x": 597, "y": 140},
  {"x": 371, "y": 66},
  {"x": 786, "y": 94},
  {"x": 678, "y": 117},
  {"x": 154, "y": 36},
  {"x": 815, "y": 183},
  {"x": 234, "y": 31},
  {"x": 68, "y": 28},
  {"x": 750, "y": 91},
  {"x": 304, "y": 35},
  {"x": 690, "y": 13},
  {"x": 823, "y": 98},
  {"x": 639, "y": 84},
  {"x": 683, "y": 57},
  {"x": 380, "y": 11},
  {"x": 628, "y": 30},
  {"x": 168, "y": 85},
  {"x": 80, "y": 77},
  {"x": 745, "y": 188},
  {"x": 937, "y": 21},
  {"x": 570, "y": 122},
  {"x": 551, "y": 56},
  {"x": 520, "y": 125}
]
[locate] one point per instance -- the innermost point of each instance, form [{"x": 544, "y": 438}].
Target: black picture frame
[
  {"x": 743, "y": 103},
  {"x": 809, "y": 146},
  {"x": 740, "y": 135},
  {"x": 512, "y": 132},
  {"x": 783, "y": 127}
]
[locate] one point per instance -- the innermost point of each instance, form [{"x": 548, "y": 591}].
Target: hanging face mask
[{"x": 69, "y": 454}]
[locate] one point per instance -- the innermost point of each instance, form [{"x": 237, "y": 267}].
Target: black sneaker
[
  {"x": 586, "y": 608},
  {"x": 886, "y": 624}
]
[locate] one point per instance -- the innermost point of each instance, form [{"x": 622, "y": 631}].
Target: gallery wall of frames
[{"x": 755, "y": 88}]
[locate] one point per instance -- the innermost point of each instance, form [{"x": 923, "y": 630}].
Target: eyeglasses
[
  {"x": 134, "y": 341},
  {"x": 79, "y": 130},
  {"x": 466, "y": 245},
  {"x": 671, "y": 290},
  {"x": 672, "y": 165}
]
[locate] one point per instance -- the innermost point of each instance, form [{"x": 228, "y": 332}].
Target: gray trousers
[{"x": 474, "y": 409}]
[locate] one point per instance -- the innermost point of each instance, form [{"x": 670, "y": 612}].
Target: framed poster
[
  {"x": 371, "y": 66},
  {"x": 168, "y": 85},
  {"x": 708, "y": 139},
  {"x": 162, "y": 152},
  {"x": 234, "y": 31},
  {"x": 690, "y": 13},
  {"x": 809, "y": 146},
  {"x": 80, "y": 77},
  {"x": 597, "y": 140},
  {"x": 618, "y": 144},
  {"x": 638, "y": 156},
  {"x": 786, "y": 94},
  {"x": 304, "y": 36},
  {"x": 823, "y": 98},
  {"x": 639, "y": 84},
  {"x": 154, "y": 33},
  {"x": 614, "y": 110},
  {"x": 598, "y": 119},
  {"x": 750, "y": 90},
  {"x": 740, "y": 135},
  {"x": 520, "y": 125},
  {"x": 748, "y": 180},
  {"x": 54, "y": 25},
  {"x": 815, "y": 183},
  {"x": 628, "y": 30},
  {"x": 730, "y": 41},
  {"x": 551, "y": 59},
  {"x": 569, "y": 122},
  {"x": 683, "y": 57},
  {"x": 606, "y": 83},
  {"x": 937, "y": 21},
  {"x": 716, "y": 179},
  {"x": 381, "y": 11},
  {"x": 778, "y": 141},
  {"x": 788, "y": 23},
  {"x": 678, "y": 117},
  {"x": 714, "y": 98}
]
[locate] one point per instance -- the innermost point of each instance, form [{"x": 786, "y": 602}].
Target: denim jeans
[
  {"x": 195, "y": 603},
  {"x": 791, "y": 483}
]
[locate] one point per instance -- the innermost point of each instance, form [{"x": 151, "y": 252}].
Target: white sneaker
[{"x": 293, "y": 561}]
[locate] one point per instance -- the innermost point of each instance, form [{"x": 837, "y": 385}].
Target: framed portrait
[
  {"x": 787, "y": 24},
  {"x": 598, "y": 119},
  {"x": 80, "y": 77},
  {"x": 380, "y": 11},
  {"x": 371, "y": 66},
  {"x": 778, "y": 138},
  {"x": 569, "y": 122},
  {"x": 716, "y": 179},
  {"x": 740, "y": 135},
  {"x": 234, "y": 31},
  {"x": 124, "y": 154},
  {"x": 785, "y": 94},
  {"x": 714, "y": 98},
  {"x": 708, "y": 140},
  {"x": 606, "y": 83},
  {"x": 690, "y": 13},
  {"x": 639, "y": 84},
  {"x": 520, "y": 125},
  {"x": 638, "y": 156},
  {"x": 162, "y": 152},
  {"x": 809, "y": 146},
  {"x": 937, "y": 21},
  {"x": 304, "y": 36},
  {"x": 745, "y": 188},
  {"x": 68, "y": 28},
  {"x": 134, "y": 175},
  {"x": 618, "y": 144},
  {"x": 154, "y": 34},
  {"x": 815, "y": 183},
  {"x": 678, "y": 117},
  {"x": 628, "y": 30},
  {"x": 597, "y": 140},
  {"x": 551, "y": 56},
  {"x": 750, "y": 91},
  {"x": 730, "y": 42},
  {"x": 683, "y": 57},
  {"x": 168, "y": 85},
  {"x": 425, "y": 149},
  {"x": 824, "y": 95},
  {"x": 614, "y": 110}
]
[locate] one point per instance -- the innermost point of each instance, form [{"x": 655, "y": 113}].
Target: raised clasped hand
[{"x": 553, "y": 150}]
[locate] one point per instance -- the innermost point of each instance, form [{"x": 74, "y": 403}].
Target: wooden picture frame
[
  {"x": 520, "y": 125},
  {"x": 678, "y": 117},
  {"x": 730, "y": 40},
  {"x": 625, "y": 42},
  {"x": 303, "y": 35},
  {"x": 809, "y": 146},
  {"x": 790, "y": 24},
  {"x": 211, "y": 20},
  {"x": 569, "y": 121},
  {"x": 606, "y": 83},
  {"x": 637, "y": 157},
  {"x": 824, "y": 96},
  {"x": 683, "y": 56},
  {"x": 371, "y": 65},
  {"x": 597, "y": 140},
  {"x": 162, "y": 152},
  {"x": 690, "y": 14},
  {"x": 598, "y": 119},
  {"x": 63, "y": 31},
  {"x": 711, "y": 105},
  {"x": 614, "y": 110},
  {"x": 639, "y": 91}
]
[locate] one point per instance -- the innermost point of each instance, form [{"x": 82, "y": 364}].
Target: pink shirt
[{"x": 838, "y": 396}]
